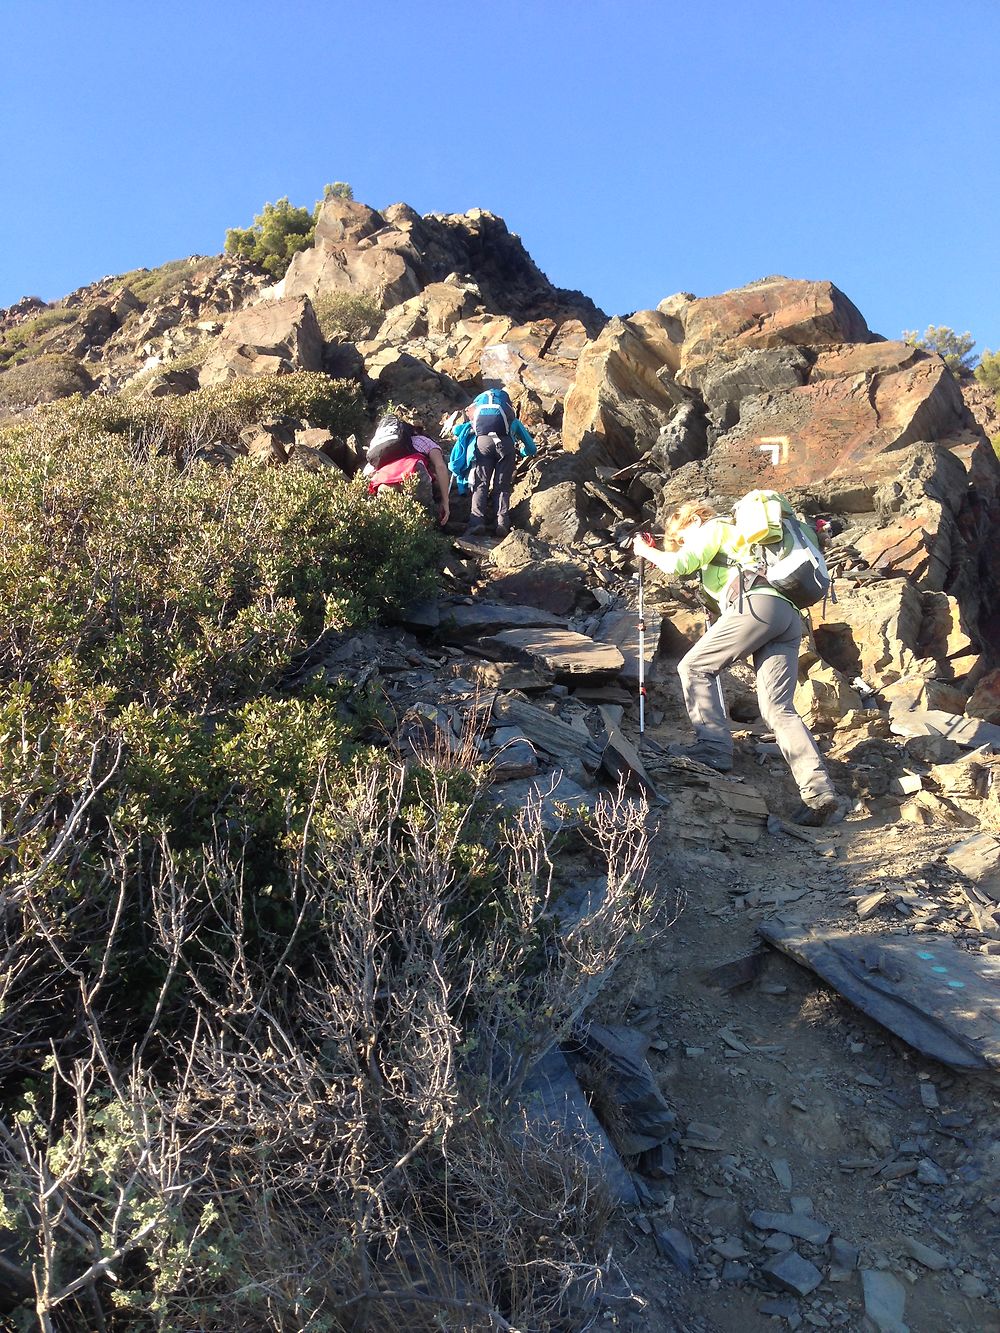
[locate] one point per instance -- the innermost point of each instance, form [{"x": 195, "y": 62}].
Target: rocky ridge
[{"x": 739, "y": 1215}]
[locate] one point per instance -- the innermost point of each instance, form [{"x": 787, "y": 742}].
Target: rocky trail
[
  {"x": 794, "y": 1081},
  {"x": 809, "y": 1168}
]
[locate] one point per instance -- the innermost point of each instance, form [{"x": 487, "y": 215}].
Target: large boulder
[
  {"x": 394, "y": 255},
  {"x": 549, "y": 499},
  {"x": 846, "y": 428},
  {"x": 537, "y": 364},
  {"x": 771, "y": 312},
  {"x": 401, "y": 377},
  {"x": 918, "y": 507},
  {"x": 435, "y": 310},
  {"x": 354, "y": 250},
  {"x": 824, "y": 696},
  {"x": 985, "y": 699},
  {"x": 730, "y": 377},
  {"x": 619, "y": 400},
  {"x": 871, "y": 631},
  {"x": 266, "y": 340}
]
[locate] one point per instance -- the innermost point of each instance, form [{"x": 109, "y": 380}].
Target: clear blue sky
[{"x": 639, "y": 148}]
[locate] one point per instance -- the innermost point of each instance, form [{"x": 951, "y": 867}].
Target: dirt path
[{"x": 818, "y": 1091}]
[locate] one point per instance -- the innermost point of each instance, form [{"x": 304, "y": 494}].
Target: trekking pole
[{"x": 642, "y": 643}]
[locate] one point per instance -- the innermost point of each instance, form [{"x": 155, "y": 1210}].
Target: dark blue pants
[{"x": 493, "y": 471}]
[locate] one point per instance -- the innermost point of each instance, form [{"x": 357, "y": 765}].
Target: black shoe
[
  {"x": 829, "y": 811},
  {"x": 475, "y": 530},
  {"x": 503, "y": 530}
]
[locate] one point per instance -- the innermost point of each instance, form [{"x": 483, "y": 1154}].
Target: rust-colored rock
[
  {"x": 985, "y": 699},
  {"x": 943, "y": 635},
  {"x": 844, "y": 428},
  {"x": 872, "y": 631},
  {"x": 618, "y": 401},
  {"x": 824, "y": 697},
  {"x": 924, "y": 692},
  {"x": 768, "y": 313},
  {"x": 264, "y": 339}
]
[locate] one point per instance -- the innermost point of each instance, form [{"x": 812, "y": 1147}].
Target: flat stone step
[
  {"x": 463, "y": 622},
  {"x": 568, "y": 655},
  {"x": 939, "y": 999}
]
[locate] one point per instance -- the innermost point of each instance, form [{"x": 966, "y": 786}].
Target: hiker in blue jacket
[{"x": 495, "y": 436}]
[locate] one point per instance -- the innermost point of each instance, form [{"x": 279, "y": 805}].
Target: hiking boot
[
  {"x": 503, "y": 530},
  {"x": 830, "y": 810},
  {"x": 475, "y": 529},
  {"x": 701, "y": 753}
]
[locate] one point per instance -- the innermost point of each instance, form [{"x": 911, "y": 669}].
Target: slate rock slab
[
  {"x": 549, "y": 733},
  {"x": 560, "y": 796},
  {"x": 967, "y": 731},
  {"x": 621, "y": 629},
  {"x": 555, "y": 1108},
  {"x": 568, "y": 655},
  {"x": 514, "y": 756},
  {"x": 621, "y": 759},
  {"x": 885, "y": 1300},
  {"x": 675, "y": 1246},
  {"x": 939, "y": 999},
  {"x": 793, "y": 1273},
  {"x": 640, "y": 1118},
  {"x": 792, "y": 1224},
  {"x": 461, "y": 621},
  {"x": 978, "y": 858}
]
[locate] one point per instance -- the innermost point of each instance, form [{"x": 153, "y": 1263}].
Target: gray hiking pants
[
  {"x": 768, "y": 629},
  {"x": 493, "y": 469}
]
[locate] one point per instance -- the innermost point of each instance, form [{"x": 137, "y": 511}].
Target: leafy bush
[
  {"x": 42, "y": 380},
  {"x": 278, "y": 233},
  {"x": 955, "y": 349},
  {"x": 153, "y": 284},
  {"x": 357, "y": 314},
  {"x": 184, "y": 423},
  {"x": 25, "y": 340},
  {"x": 988, "y": 370},
  {"x": 269, "y": 993},
  {"x": 351, "y": 1062},
  {"x": 126, "y": 577}
]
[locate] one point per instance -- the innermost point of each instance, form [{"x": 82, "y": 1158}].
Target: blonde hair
[{"x": 681, "y": 518}]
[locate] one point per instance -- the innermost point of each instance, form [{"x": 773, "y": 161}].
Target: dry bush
[{"x": 332, "y": 1141}]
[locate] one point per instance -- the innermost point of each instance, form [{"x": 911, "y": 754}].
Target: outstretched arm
[
  {"x": 700, "y": 547},
  {"x": 436, "y": 460}
]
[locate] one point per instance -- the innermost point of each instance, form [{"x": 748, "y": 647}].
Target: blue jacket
[{"x": 463, "y": 453}]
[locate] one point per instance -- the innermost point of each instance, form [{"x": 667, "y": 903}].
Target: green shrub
[
  {"x": 181, "y": 424},
  {"x": 278, "y": 233},
  {"x": 42, "y": 380},
  {"x": 124, "y": 574},
  {"x": 988, "y": 370},
  {"x": 27, "y": 339},
  {"x": 153, "y": 284},
  {"x": 955, "y": 349},
  {"x": 356, "y": 314}
]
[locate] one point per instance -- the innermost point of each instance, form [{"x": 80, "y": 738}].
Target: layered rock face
[
  {"x": 465, "y": 305},
  {"x": 781, "y": 385}
]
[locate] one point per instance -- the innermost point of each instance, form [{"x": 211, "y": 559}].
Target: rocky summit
[{"x": 819, "y": 1156}]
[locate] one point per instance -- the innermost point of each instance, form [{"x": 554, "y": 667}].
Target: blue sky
[{"x": 639, "y": 148}]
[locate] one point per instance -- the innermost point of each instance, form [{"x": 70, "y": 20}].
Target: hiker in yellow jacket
[{"x": 755, "y": 621}]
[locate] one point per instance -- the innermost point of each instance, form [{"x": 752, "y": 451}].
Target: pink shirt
[{"x": 423, "y": 444}]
